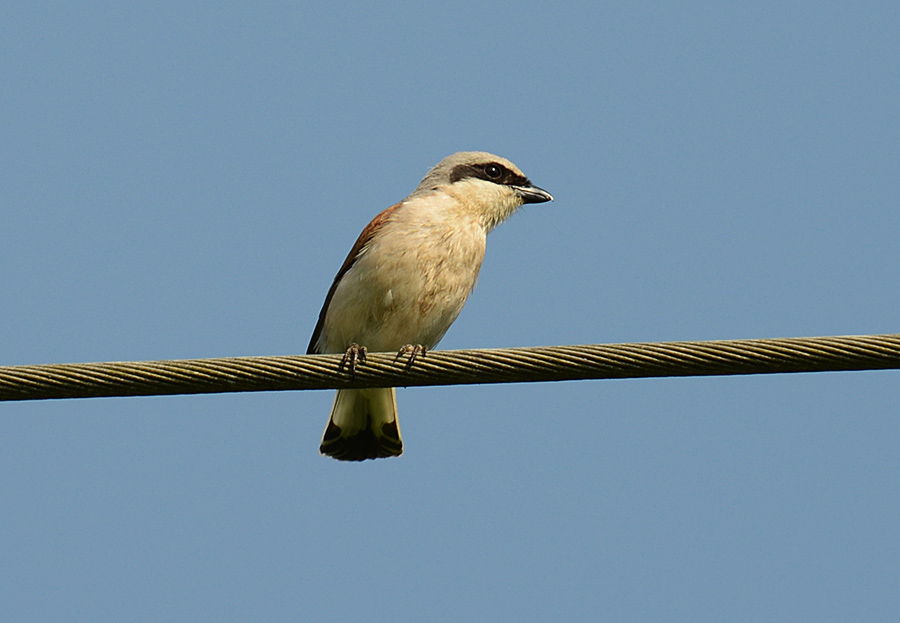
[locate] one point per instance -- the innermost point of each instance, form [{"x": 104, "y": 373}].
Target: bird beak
[{"x": 532, "y": 194}]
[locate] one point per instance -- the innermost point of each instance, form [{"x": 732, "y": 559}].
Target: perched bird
[{"x": 404, "y": 283}]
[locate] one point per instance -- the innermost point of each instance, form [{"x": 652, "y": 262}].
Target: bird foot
[
  {"x": 354, "y": 355},
  {"x": 413, "y": 352}
]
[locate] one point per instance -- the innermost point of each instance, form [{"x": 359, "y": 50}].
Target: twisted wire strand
[{"x": 452, "y": 367}]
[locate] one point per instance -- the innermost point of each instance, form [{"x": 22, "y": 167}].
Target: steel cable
[{"x": 452, "y": 367}]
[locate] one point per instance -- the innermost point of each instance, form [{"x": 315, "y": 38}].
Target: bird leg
[
  {"x": 354, "y": 354},
  {"x": 413, "y": 351}
]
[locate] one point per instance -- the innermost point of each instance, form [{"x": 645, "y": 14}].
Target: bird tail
[{"x": 363, "y": 425}]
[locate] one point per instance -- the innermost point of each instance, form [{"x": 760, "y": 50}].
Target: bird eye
[{"x": 493, "y": 171}]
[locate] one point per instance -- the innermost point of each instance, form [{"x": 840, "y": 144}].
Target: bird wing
[{"x": 358, "y": 247}]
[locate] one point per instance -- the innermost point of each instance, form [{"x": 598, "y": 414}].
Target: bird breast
[{"x": 410, "y": 281}]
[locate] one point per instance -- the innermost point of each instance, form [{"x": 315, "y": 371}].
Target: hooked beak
[{"x": 532, "y": 194}]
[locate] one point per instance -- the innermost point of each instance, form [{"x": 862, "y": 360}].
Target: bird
[{"x": 403, "y": 284}]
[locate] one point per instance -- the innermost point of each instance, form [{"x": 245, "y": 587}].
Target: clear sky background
[{"x": 183, "y": 179}]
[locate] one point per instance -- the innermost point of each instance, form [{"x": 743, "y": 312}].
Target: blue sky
[{"x": 183, "y": 180}]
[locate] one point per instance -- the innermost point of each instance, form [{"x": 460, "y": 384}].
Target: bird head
[{"x": 491, "y": 186}]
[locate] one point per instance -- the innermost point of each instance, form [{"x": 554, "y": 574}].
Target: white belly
[{"x": 407, "y": 287}]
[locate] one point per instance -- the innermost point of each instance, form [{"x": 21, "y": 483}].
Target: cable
[{"x": 452, "y": 367}]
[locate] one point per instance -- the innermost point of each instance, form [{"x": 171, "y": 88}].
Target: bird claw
[
  {"x": 354, "y": 355},
  {"x": 413, "y": 351}
]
